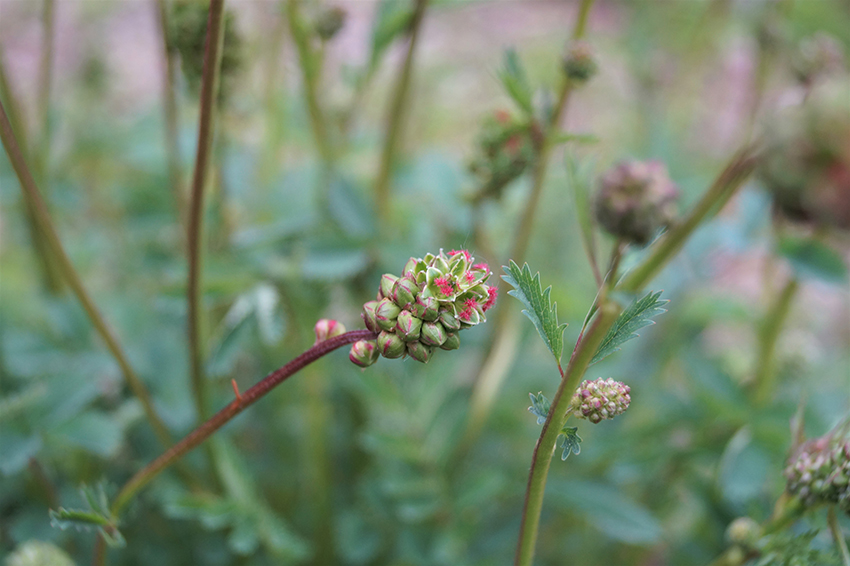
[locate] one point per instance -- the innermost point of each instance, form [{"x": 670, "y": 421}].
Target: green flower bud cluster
[
  {"x": 435, "y": 298},
  {"x": 600, "y": 399},
  {"x": 579, "y": 63},
  {"x": 819, "y": 472},
  {"x": 744, "y": 531},
  {"x": 187, "y": 35},
  {"x": 636, "y": 199},
  {"x": 806, "y": 165},
  {"x": 329, "y": 21},
  {"x": 506, "y": 148}
]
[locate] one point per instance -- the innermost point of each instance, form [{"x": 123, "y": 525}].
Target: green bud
[
  {"x": 390, "y": 345},
  {"x": 419, "y": 351},
  {"x": 579, "y": 64},
  {"x": 326, "y": 328},
  {"x": 364, "y": 353},
  {"x": 433, "y": 334},
  {"x": 408, "y": 326},
  {"x": 329, "y": 22},
  {"x": 600, "y": 399},
  {"x": 426, "y": 308},
  {"x": 744, "y": 531},
  {"x": 368, "y": 316},
  {"x": 449, "y": 321},
  {"x": 452, "y": 342},
  {"x": 387, "y": 282},
  {"x": 386, "y": 314},
  {"x": 405, "y": 291}
]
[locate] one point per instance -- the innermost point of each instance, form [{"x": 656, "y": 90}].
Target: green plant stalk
[
  {"x": 555, "y": 420},
  {"x": 209, "y": 91},
  {"x": 769, "y": 334},
  {"x": 170, "y": 117},
  {"x": 718, "y": 194},
  {"x": 503, "y": 344},
  {"x": 396, "y": 119},
  {"x": 41, "y": 153},
  {"x": 51, "y": 276},
  {"x": 242, "y": 402},
  {"x": 45, "y": 227},
  {"x": 310, "y": 65},
  {"x": 837, "y": 536}
]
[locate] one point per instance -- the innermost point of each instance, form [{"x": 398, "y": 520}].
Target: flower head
[{"x": 600, "y": 399}]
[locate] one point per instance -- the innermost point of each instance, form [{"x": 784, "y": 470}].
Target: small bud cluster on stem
[
  {"x": 435, "y": 298},
  {"x": 819, "y": 472},
  {"x": 600, "y": 399}
]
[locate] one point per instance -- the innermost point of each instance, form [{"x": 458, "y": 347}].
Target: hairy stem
[
  {"x": 768, "y": 336},
  {"x": 209, "y": 91},
  {"x": 169, "y": 107},
  {"x": 490, "y": 377},
  {"x": 45, "y": 227},
  {"x": 555, "y": 420},
  {"x": 837, "y": 535},
  {"x": 242, "y": 402},
  {"x": 396, "y": 118}
]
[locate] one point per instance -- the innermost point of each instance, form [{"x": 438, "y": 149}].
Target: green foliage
[
  {"x": 539, "y": 308},
  {"x": 97, "y": 516},
  {"x": 638, "y": 315},
  {"x": 392, "y": 18},
  {"x": 568, "y": 439},
  {"x": 539, "y": 407},
  {"x": 516, "y": 83},
  {"x": 811, "y": 258},
  {"x": 795, "y": 550}
]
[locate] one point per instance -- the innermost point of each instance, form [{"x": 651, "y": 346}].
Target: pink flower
[{"x": 492, "y": 292}]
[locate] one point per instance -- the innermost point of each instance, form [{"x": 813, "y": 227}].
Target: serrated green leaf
[
  {"x": 539, "y": 308},
  {"x": 635, "y": 317},
  {"x": 539, "y": 407},
  {"x": 570, "y": 441},
  {"x": 812, "y": 259},
  {"x": 515, "y": 82},
  {"x": 64, "y": 518}
]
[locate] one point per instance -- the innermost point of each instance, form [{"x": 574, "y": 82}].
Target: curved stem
[
  {"x": 837, "y": 535},
  {"x": 768, "y": 336},
  {"x": 555, "y": 420},
  {"x": 209, "y": 90},
  {"x": 396, "y": 119},
  {"x": 242, "y": 402},
  {"x": 54, "y": 243}
]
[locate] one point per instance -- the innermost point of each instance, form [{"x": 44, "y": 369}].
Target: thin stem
[
  {"x": 837, "y": 535},
  {"x": 99, "y": 555},
  {"x": 718, "y": 194},
  {"x": 768, "y": 336},
  {"x": 41, "y": 153},
  {"x": 45, "y": 226},
  {"x": 555, "y": 421},
  {"x": 209, "y": 91},
  {"x": 169, "y": 107},
  {"x": 225, "y": 415},
  {"x": 396, "y": 119},
  {"x": 503, "y": 344},
  {"x": 51, "y": 276}
]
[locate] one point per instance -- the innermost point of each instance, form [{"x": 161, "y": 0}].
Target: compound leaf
[{"x": 635, "y": 317}]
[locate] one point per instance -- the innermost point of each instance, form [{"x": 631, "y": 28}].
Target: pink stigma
[
  {"x": 444, "y": 285},
  {"x": 483, "y": 266},
  {"x": 469, "y": 277},
  {"x": 492, "y": 292},
  {"x": 465, "y": 253}
]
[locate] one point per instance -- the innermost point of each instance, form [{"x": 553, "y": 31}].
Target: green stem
[
  {"x": 225, "y": 415},
  {"x": 396, "y": 119},
  {"x": 503, "y": 344},
  {"x": 45, "y": 227},
  {"x": 169, "y": 106},
  {"x": 51, "y": 276},
  {"x": 555, "y": 421},
  {"x": 768, "y": 336},
  {"x": 720, "y": 191},
  {"x": 837, "y": 536},
  {"x": 209, "y": 90},
  {"x": 41, "y": 153}
]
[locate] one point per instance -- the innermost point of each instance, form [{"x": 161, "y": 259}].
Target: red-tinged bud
[
  {"x": 327, "y": 328},
  {"x": 405, "y": 291},
  {"x": 452, "y": 342},
  {"x": 426, "y": 308},
  {"x": 600, "y": 399},
  {"x": 368, "y": 316},
  {"x": 390, "y": 345},
  {"x": 419, "y": 351},
  {"x": 408, "y": 326},
  {"x": 433, "y": 334},
  {"x": 364, "y": 353},
  {"x": 386, "y": 314},
  {"x": 450, "y": 321}
]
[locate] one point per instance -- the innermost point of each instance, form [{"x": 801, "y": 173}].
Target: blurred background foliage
[{"x": 350, "y": 466}]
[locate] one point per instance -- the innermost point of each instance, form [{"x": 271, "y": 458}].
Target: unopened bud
[
  {"x": 386, "y": 314},
  {"x": 449, "y": 321},
  {"x": 426, "y": 308},
  {"x": 744, "y": 531},
  {"x": 368, "y": 316},
  {"x": 364, "y": 353},
  {"x": 433, "y": 334},
  {"x": 387, "y": 282},
  {"x": 327, "y": 328},
  {"x": 579, "y": 64},
  {"x": 390, "y": 345},
  {"x": 600, "y": 399},
  {"x": 452, "y": 342},
  {"x": 408, "y": 326},
  {"x": 329, "y": 22},
  {"x": 419, "y": 351},
  {"x": 405, "y": 291}
]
